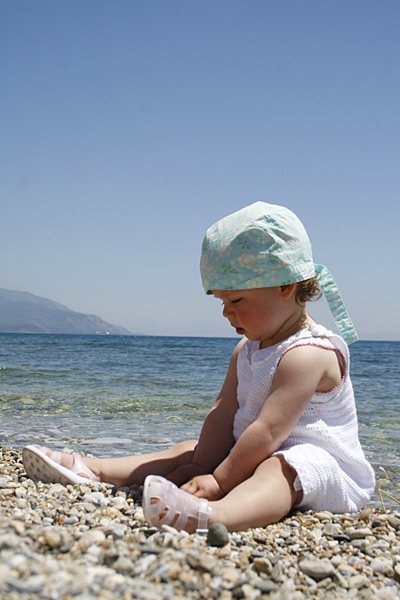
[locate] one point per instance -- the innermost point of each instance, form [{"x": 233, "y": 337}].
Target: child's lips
[{"x": 239, "y": 330}]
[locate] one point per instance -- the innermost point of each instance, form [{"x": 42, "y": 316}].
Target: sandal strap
[
  {"x": 55, "y": 455},
  {"x": 204, "y": 513},
  {"x": 178, "y": 504},
  {"x": 79, "y": 467}
]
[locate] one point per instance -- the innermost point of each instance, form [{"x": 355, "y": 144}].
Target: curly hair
[{"x": 308, "y": 290}]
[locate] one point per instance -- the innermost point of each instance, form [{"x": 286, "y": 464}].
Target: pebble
[
  {"x": 52, "y": 538},
  {"x": 263, "y": 564},
  {"x": 358, "y": 533},
  {"x": 217, "y": 535},
  {"x": 358, "y": 581},
  {"x": 83, "y": 543},
  {"x": 394, "y": 521},
  {"x": 317, "y": 568},
  {"x": 382, "y": 566}
]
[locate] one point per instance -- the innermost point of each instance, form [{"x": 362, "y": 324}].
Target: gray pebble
[
  {"x": 358, "y": 581},
  {"x": 317, "y": 568},
  {"x": 394, "y": 521},
  {"x": 118, "y": 532},
  {"x": 382, "y": 566},
  {"x": 266, "y": 586},
  {"x": 217, "y": 535}
]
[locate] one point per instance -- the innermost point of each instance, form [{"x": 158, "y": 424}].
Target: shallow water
[{"x": 111, "y": 395}]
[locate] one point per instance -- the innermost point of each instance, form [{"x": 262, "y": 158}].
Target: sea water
[{"x": 119, "y": 395}]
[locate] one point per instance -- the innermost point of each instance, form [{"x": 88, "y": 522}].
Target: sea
[{"x": 119, "y": 395}]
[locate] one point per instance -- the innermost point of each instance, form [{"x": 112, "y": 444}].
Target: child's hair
[{"x": 308, "y": 291}]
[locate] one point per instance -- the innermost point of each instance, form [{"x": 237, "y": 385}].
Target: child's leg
[
  {"x": 128, "y": 470},
  {"x": 266, "y": 497}
]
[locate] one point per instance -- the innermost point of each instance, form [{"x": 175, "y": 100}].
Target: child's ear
[{"x": 288, "y": 290}]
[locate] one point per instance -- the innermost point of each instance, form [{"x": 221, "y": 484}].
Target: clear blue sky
[{"x": 128, "y": 127}]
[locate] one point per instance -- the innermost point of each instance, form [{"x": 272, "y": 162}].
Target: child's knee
[{"x": 184, "y": 450}]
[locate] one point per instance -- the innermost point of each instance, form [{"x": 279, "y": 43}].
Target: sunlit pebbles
[{"x": 81, "y": 543}]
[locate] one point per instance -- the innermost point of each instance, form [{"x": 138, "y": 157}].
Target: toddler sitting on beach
[{"x": 283, "y": 431}]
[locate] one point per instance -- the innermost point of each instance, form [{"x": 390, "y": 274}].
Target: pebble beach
[{"x": 84, "y": 542}]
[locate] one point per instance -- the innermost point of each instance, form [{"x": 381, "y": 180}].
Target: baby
[{"x": 283, "y": 431}]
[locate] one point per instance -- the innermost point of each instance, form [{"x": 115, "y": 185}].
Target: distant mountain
[{"x": 22, "y": 312}]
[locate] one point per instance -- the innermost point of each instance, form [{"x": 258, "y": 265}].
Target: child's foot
[
  {"x": 42, "y": 464},
  {"x": 165, "y": 504}
]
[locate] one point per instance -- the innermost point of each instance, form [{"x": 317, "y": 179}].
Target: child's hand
[
  {"x": 183, "y": 474},
  {"x": 204, "y": 486}
]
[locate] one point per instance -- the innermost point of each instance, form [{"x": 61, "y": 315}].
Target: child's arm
[
  {"x": 300, "y": 373},
  {"x": 216, "y": 437}
]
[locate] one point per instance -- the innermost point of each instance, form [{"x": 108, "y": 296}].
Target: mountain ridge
[{"x": 24, "y": 312}]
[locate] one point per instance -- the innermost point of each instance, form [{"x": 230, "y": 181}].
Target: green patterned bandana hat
[{"x": 265, "y": 245}]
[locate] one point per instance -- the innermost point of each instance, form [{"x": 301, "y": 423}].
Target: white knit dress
[{"x": 323, "y": 448}]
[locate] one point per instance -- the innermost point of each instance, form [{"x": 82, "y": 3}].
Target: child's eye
[{"x": 236, "y": 301}]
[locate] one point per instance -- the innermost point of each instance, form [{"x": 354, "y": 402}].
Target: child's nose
[{"x": 226, "y": 311}]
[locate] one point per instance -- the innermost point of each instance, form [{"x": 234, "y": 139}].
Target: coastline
[{"x": 82, "y": 542}]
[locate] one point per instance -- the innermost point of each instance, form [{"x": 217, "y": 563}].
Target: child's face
[{"x": 260, "y": 314}]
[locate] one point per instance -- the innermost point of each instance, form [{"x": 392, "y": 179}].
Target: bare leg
[
  {"x": 266, "y": 497},
  {"x": 128, "y": 470}
]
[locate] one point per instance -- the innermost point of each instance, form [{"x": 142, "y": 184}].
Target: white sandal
[
  {"x": 49, "y": 469},
  {"x": 165, "y": 504}
]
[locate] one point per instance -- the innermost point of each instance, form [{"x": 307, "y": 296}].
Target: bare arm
[
  {"x": 300, "y": 373},
  {"x": 216, "y": 437}
]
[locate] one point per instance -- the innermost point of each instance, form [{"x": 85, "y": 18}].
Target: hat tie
[{"x": 336, "y": 305}]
